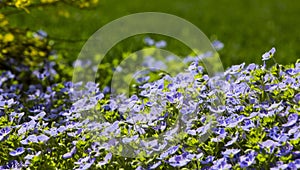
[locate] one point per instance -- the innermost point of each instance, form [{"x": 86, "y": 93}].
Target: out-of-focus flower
[
  {"x": 40, "y": 34},
  {"x": 218, "y": 45},
  {"x": 161, "y": 44},
  {"x": 149, "y": 41}
]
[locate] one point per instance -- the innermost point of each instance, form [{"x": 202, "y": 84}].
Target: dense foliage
[
  {"x": 248, "y": 120},
  {"x": 256, "y": 126}
]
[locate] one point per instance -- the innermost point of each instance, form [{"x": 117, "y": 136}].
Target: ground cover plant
[
  {"x": 257, "y": 125},
  {"x": 249, "y": 119}
]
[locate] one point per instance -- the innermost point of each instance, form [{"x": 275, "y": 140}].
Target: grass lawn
[{"x": 247, "y": 28}]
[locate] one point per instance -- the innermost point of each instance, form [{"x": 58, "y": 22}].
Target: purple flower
[
  {"x": 4, "y": 132},
  {"x": 191, "y": 132},
  {"x": 35, "y": 139},
  {"x": 170, "y": 151},
  {"x": 251, "y": 67},
  {"x": 62, "y": 128},
  {"x": 269, "y": 54},
  {"x": 82, "y": 160},
  {"x": 42, "y": 138},
  {"x": 29, "y": 157},
  {"x": 292, "y": 119},
  {"x": 181, "y": 160},
  {"x": 221, "y": 134},
  {"x": 286, "y": 149},
  {"x": 219, "y": 131},
  {"x": 297, "y": 98},
  {"x": 12, "y": 165},
  {"x": 52, "y": 132},
  {"x": 198, "y": 156},
  {"x": 248, "y": 159},
  {"x": 270, "y": 145},
  {"x": 293, "y": 130},
  {"x": 270, "y": 87},
  {"x": 247, "y": 125},
  {"x": 37, "y": 109},
  {"x": 40, "y": 34},
  {"x": 30, "y": 138},
  {"x": 161, "y": 44},
  {"x": 265, "y": 113},
  {"x": 70, "y": 154},
  {"x": 149, "y": 41},
  {"x": 280, "y": 167},
  {"x": 221, "y": 164},
  {"x": 230, "y": 152},
  {"x": 208, "y": 160},
  {"x": 173, "y": 97},
  {"x": 234, "y": 69},
  {"x": 23, "y": 128},
  {"x": 38, "y": 116},
  {"x": 15, "y": 115},
  {"x": 292, "y": 71},
  {"x": 149, "y": 144},
  {"x": 218, "y": 45},
  {"x": 296, "y": 135},
  {"x": 297, "y": 163},
  {"x": 275, "y": 135},
  {"x": 107, "y": 158},
  {"x": 141, "y": 80},
  {"x": 292, "y": 165},
  {"x": 233, "y": 140},
  {"x": 203, "y": 130},
  {"x": 130, "y": 139},
  {"x": 87, "y": 164},
  {"x": 156, "y": 165},
  {"x": 113, "y": 127},
  {"x": 161, "y": 126},
  {"x": 92, "y": 87},
  {"x": 73, "y": 134},
  {"x": 220, "y": 109},
  {"x": 17, "y": 152},
  {"x": 241, "y": 88},
  {"x": 233, "y": 121},
  {"x": 7, "y": 103}
]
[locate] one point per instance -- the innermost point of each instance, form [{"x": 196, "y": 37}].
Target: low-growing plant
[{"x": 65, "y": 125}]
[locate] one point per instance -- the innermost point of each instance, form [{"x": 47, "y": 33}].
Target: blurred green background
[{"x": 247, "y": 28}]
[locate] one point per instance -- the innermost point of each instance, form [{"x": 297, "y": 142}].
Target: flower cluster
[{"x": 249, "y": 119}]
